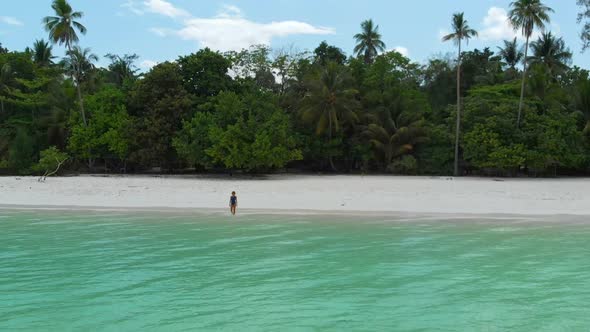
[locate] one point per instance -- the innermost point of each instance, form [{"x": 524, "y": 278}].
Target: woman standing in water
[{"x": 233, "y": 203}]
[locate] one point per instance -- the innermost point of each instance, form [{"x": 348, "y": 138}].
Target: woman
[{"x": 233, "y": 203}]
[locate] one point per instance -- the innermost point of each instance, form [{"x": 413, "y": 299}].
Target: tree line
[{"x": 262, "y": 110}]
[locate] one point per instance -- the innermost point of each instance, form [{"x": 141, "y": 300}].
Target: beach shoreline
[{"x": 302, "y": 194}]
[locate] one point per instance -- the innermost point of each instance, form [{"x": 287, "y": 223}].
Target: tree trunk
[
  {"x": 79, "y": 91},
  {"x": 330, "y": 141},
  {"x": 2, "y": 105},
  {"x": 388, "y": 156},
  {"x": 77, "y": 81},
  {"x": 521, "y": 103},
  {"x": 81, "y": 102},
  {"x": 458, "y": 129}
]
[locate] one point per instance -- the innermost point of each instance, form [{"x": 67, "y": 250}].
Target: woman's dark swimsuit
[{"x": 233, "y": 201}]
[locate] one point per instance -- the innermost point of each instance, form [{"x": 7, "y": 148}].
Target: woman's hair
[{"x": 233, "y": 192}]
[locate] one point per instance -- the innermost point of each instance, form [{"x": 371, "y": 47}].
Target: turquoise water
[{"x": 91, "y": 271}]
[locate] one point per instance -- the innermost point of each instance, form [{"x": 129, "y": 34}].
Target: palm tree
[
  {"x": 329, "y": 101},
  {"x": 79, "y": 63},
  {"x": 511, "y": 53},
  {"x": 62, "y": 30},
  {"x": 122, "y": 67},
  {"x": 368, "y": 41},
  {"x": 526, "y": 15},
  {"x": 551, "y": 52},
  {"x": 461, "y": 31},
  {"x": 395, "y": 132},
  {"x": 62, "y": 27},
  {"x": 42, "y": 53}
]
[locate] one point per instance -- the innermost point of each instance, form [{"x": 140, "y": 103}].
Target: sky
[{"x": 161, "y": 30}]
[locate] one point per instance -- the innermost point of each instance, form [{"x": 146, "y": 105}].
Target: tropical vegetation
[{"x": 522, "y": 109}]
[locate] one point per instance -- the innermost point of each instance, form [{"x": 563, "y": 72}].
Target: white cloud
[
  {"x": 161, "y": 32},
  {"x": 10, "y": 21},
  {"x": 230, "y": 11},
  {"x": 238, "y": 33},
  {"x": 230, "y": 30},
  {"x": 402, "y": 50},
  {"x": 496, "y": 27},
  {"x": 164, "y": 8},
  {"x": 147, "y": 64},
  {"x": 555, "y": 29},
  {"x": 133, "y": 7}
]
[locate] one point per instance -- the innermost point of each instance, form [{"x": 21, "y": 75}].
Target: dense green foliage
[
  {"x": 260, "y": 110},
  {"x": 105, "y": 135},
  {"x": 238, "y": 131}
]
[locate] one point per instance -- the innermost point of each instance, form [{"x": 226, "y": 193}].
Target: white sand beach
[{"x": 305, "y": 193}]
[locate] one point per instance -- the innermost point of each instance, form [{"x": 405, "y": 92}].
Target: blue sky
[{"x": 160, "y": 30}]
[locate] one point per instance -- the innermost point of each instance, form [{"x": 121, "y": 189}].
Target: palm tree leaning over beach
[
  {"x": 461, "y": 31},
  {"x": 369, "y": 42},
  {"x": 62, "y": 30},
  {"x": 526, "y": 15}
]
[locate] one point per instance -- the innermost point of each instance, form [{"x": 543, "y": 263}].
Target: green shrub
[
  {"x": 50, "y": 161},
  {"x": 407, "y": 165}
]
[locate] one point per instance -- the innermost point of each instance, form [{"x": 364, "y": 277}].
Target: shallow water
[{"x": 91, "y": 271}]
